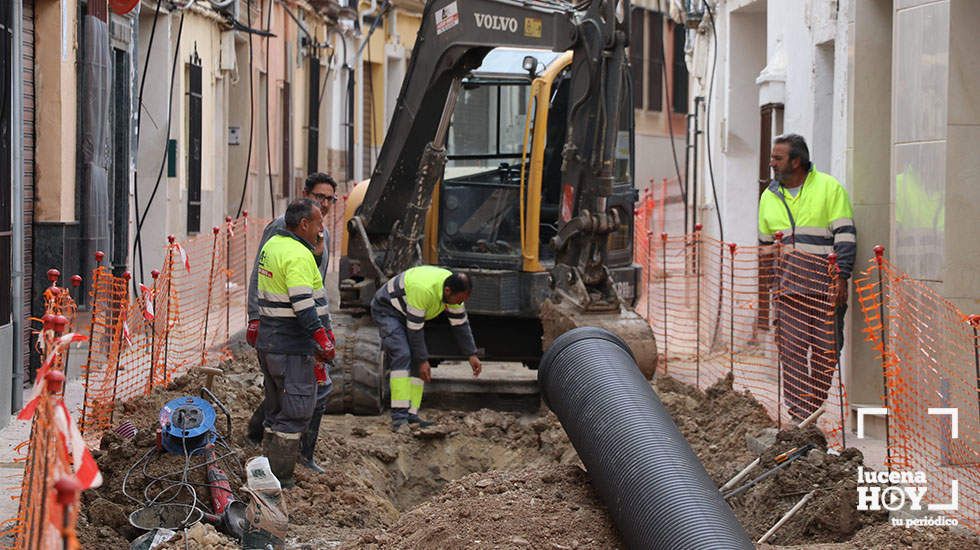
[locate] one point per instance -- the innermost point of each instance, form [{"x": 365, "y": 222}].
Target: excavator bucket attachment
[{"x": 558, "y": 318}]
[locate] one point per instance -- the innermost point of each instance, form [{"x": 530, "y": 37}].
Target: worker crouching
[
  {"x": 294, "y": 339},
  {"x": 400, "y": 308}
]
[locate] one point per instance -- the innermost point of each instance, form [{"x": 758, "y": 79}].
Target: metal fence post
[
  {"x": 153, "y": 334},
  {"x": 228, "y": 230},
  {"x": 663, "y": 256},
  {"x": 648, "y": 268},
  {"x": 67, "y": 489},
  {"x": 774, "y": 282},
  {"x": 836, "y": 280},
  {"x": 697, "y": 284},
  {"x": 170, "y": 286},
  {"x": 731, "y": 310},
  {"x": 207, "y": 309},
  {"x": 879, "y": 260},
  {"x": 975, "y": 323}
]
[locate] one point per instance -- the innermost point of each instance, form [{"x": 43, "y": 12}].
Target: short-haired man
[
  {"x": 293, "y": 312},
  {"x": 322, "y": 189},
  {"x": 813, "y": 212},
  {"x": 400, "y": 308}
]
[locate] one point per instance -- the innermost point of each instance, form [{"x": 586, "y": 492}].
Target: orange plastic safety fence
[
  {"x": 930, "y": 385},
  {"x": 49, "y": 496},
  {"x": 764, "y": 315},
  {"x": 182, "y": 319},
  {"x": 46, "y": 519}
]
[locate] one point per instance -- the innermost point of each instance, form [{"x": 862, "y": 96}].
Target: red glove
[
  {"x": 252, "y": 332},
  {"x": 327, "y": 350},
  {"x": 320, "y": 371}
]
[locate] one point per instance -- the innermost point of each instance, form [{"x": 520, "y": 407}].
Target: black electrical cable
[
  {"x": 248, "y": 29},
  {"x": 251, "y": 110},
  {"x": 156, "y": 186},
  {"x": 298, "y": 23},
  {"x": 171, "y": 486},
  {"x": 707, "y": 116},
  {"x": 268, "y": 128},
  {"x": 670, "y": 114},
  {"x": 138, "y": 246}
]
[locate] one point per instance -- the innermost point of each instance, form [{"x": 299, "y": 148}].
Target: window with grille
[
  {"x": 286, "y": 177},
  {"x": 678, "y": 93},
  {"x": 194, "y": 98},
  {"x": 119, "y": 198},
  {"x": 650, "y": 63},
  {"x": 313, "y": 124}
]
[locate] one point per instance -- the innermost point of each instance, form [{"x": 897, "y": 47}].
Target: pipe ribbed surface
[{"x": 649, "y": 478}]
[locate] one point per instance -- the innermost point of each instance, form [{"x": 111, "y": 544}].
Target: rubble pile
[{"x": 489, "y": 479}]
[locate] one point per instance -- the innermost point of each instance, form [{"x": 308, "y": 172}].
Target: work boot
[
  {"x": 417, "y": 420},
  {"x": 397, "y": 424},
  {"x": 282, "y": 453},
  {"x": 256, "y": 430},
  {"x": 308, "y": 444}
]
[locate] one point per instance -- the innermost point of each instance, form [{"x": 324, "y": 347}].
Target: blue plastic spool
[{"x": 187, "y": 425}]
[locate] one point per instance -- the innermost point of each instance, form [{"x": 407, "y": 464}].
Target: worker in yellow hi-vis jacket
[
  {"x": 813, "y": 212},
  {"x": 400, "y": 308}
]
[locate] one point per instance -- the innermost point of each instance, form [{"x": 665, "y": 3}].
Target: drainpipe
[{"x": 17, "y": 217}]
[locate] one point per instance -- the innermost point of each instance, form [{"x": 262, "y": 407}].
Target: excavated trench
[{"x": 480, "y": 479}]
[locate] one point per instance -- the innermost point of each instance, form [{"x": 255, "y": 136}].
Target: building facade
[
  {"x": 124, "y": 122},
  {"x": 887, "y": 93}
]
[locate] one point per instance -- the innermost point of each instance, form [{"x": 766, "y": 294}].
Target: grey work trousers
[{"x": 290, "y": 391}]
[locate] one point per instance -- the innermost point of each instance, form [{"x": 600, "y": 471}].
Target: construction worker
[
  {"x": 813, "y": 212},
  {"x": 322, "y": 189},
  {"x": 293, "y": 338},
  {"x": 400, "y": 308}
]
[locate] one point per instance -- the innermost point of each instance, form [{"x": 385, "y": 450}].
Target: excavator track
[
  {"x": 359, "y": 381},
  {"x": 559, "y": 318}
]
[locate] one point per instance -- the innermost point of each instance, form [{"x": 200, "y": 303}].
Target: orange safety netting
[
  {"x": 49, "y": 492},
  {"x": 765, "y": 315},
  {"x": 930, "y": 364},
  {"x": 180, "y": 320}
]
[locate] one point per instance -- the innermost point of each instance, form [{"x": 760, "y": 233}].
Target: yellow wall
[
  {"x": 55, "y": 112},
  {"x": 407, "y": 28}
]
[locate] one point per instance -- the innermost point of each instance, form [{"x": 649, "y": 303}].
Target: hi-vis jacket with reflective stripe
[
  {"x": 292, "y": 300},
  {"x": 417, "y": 294},
  {"x": 821, "y": 221},
  {"x": 275, "y": 226}
]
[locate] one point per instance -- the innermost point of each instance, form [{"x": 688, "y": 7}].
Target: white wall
[
  {"x": 792, "y": 52},
  {"x": 153, "y": 139}
]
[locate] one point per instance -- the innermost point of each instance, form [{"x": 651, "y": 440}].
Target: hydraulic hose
[{"x": 653, "y": 485}]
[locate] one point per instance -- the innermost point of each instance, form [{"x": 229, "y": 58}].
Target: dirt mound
[
  {"x": 527, "y": 508},
  {"x": 714, "y": 422},
  {"x": 481, "y": 479},
  {"x": 372, "y": 475},
  {"x": 929, "y": 538},
  {"x": 830, "y": 516}
]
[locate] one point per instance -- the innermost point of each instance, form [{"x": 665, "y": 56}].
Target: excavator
[{"x": 509, "y": 157}]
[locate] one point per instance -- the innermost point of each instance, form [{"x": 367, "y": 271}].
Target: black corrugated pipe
[{"x": 649, "y": 478}]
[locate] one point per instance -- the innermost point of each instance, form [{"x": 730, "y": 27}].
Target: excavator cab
[
  {"x": 509, "y": 157},
  {"x": 478, "y": 209}
]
